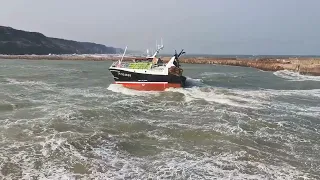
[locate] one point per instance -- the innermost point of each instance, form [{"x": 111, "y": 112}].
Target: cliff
[{"x": 15, "y": 42}]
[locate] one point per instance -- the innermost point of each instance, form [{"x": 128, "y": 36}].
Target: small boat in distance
[{"x": 150, "y": 73}]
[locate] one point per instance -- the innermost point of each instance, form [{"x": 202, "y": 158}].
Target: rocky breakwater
[{"x": 308, "y": 66}]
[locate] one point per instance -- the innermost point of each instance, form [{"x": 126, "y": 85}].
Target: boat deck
[{"x": 134, "y": 65}]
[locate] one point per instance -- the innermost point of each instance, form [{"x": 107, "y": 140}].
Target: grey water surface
[{"x": 66, "y": 120}]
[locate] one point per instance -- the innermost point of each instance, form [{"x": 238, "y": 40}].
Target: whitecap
[{"x": 295, "y": 76}]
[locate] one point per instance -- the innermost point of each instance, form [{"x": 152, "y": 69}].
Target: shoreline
[{"x": 305, "y": 66}]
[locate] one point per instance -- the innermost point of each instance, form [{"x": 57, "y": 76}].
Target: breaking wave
[
  {"x": 295, "y": 76},
  {"x": 190, "y": 82},
  {"x": 218, "y": 95}
]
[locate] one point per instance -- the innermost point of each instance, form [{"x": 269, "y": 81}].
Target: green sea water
[{"x": 66, "y": 120}]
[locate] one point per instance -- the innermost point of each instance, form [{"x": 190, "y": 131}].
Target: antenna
[
  {"x": 158, "y": 48},
  {"x": 123, "y": 55}
]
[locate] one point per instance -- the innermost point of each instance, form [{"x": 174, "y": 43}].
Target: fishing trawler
[{"x": 150, "y": 73}]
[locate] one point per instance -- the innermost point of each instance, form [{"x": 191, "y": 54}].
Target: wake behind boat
[{"x": 150, "y": 74}]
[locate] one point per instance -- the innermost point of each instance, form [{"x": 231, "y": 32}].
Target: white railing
[{"x": 121, "y": 65}]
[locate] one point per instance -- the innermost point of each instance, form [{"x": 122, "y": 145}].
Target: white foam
[
  {"x": 33, "y": 84},
  {"x": 210, "y": 74},
  {"x": 213, "y": 95},
  {"x": 50, "y": 145},
  {"x": 107, "y": 162},
  {"x": 268, "y": 94},
  {"x": 295, "y": 76},
  {"x": 86, "y": 92},
  {"x": 190, "y": 82},
  {"x": 118, "y": 88},
  {"x": 174, "y": 164},
  {"x": 29, "y": 83},
  {"x": 307, "y": 93},
  {"x": 302, "y": 110}
]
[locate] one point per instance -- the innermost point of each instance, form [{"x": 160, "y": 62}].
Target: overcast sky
[{"x": 198, "y": 26}]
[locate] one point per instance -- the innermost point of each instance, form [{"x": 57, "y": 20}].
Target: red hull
[{"x": 149, "y": 86}]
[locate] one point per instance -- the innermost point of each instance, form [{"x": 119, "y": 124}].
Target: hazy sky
[{"x": 198, "y": 26}]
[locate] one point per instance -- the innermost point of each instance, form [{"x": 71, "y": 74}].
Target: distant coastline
[{"x": 15, "y": 42}]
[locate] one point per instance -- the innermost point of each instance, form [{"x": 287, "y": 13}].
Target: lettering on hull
[{"x": 124, "y": 74}]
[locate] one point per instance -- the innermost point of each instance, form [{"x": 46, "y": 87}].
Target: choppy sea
[{"x": 67, "y": 120}]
